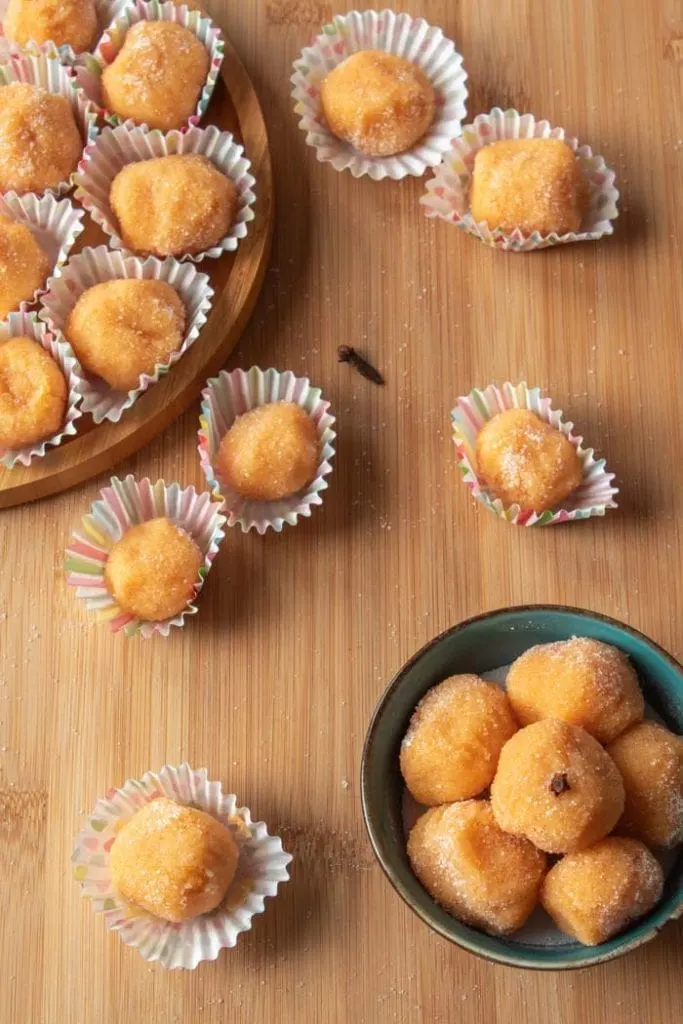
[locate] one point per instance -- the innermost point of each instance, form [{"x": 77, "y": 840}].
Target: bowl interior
[{"x": 481, "y": 645}]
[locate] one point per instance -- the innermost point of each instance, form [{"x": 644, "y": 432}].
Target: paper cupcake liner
[
  {"x": 228, "y": 396},
  {"x": 107, "y": 11},
  {"x": 93, "y": 266},
  {"x": 124, "y": 504},
  {"x": 261, "y": 868},
  {"x": 594, "y": 496},
  {"x": 28, "y": 325},
  {"x": 50, "y": 74},
  {"x": 116, "y": 147},
  {"x": 399, "y": 34},
  {"x": 448, "y": 192},
  {"x": 56, "y": 224},
  {"x": 89, "y": 73}
]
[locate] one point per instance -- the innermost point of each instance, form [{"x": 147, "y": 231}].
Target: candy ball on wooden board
[
  {"x": 40, "y": 142},
  {"x": 33, "y": 393},
  {"x": 63, "y": 22},
  {"x": 24, "y": 266}
]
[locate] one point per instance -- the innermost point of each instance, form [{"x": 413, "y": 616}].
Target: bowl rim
[{"x": 511, "y": 960}]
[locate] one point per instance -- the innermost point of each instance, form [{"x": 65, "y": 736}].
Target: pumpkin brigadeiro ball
[
  {"x": 122, "y": 329},
  {"x": 451, "y": 749},
  {"x": 650, "y": 759},
  {"x": 40, "y": 143},
  {"x": 173, "y": 205},
  {"x": 529, "y": 184},
  {"x": 153, "y": 570},
  {"x": 270, "y": 452},
  {"x": 175, "y": 862},
  {"x": 63, "y": 22},
  {"x": 556, "y": 786},
  {"x": 526, "y": 462},
  {"x": 157, "y": 75},
  {"x": 24, "y": 266},
  {"x": 380, "y": 103},
  {"x": 477, "y": 872},
  {"x": 33, "y": 393},
  {"x": 595, "y": 894},
  {"x": 581, "y": 681}
]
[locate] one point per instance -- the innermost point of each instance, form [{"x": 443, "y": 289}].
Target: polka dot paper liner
[
  {"x": 126, "y": 503},
  {"x": 230, "y": 395},
  {"x": 90, "y": 67},
  {"x": 594, "y": 496},
  {"x": 398, "y": 34},
  {"x": 95, "y": 266},
  {"x": 448, "y": 192},
  {"x": 262, "y": 867},
  {"x": 107, "y": 11},
  {"x": 28, "y": 325},
  {"x": 53, "y": 76}
]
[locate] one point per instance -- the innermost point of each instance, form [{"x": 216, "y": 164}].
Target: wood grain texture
[{"x": 272, "y": 685}]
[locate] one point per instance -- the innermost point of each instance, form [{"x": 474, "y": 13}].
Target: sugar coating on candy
[
  {"x": 153, "y": 570},
  {"x": 596, "y": 893},
  {"x": 556, "y": 786},
  {"x": 526, "y": 462},
  {"x": 477, "y": 872},
  {"x": 122, "y": 329},
  {"x": 63, "y": 22},
  {"x": 175, "y": 862},
  {"x": 529, "y": 184},
  {"x": 582, "y": 681},
  {"x": 40, "y": 142},
  {"x": 157, "y": 75},
  {"x": 270, "y": 452},
  {"x": 650, "y": 759},
  {"x": 24, "y": 266},
  {"x": 173, "y": 205},
  {"x": 33, "y": 393},
  {"x": 451, "y": 749},
  {"x": 380, "y": 103}
]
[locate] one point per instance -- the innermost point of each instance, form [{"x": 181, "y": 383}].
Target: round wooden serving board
[{"x": 236, "y": 279}]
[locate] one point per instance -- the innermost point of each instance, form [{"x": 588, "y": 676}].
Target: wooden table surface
[{"x": 272, "y": 685}]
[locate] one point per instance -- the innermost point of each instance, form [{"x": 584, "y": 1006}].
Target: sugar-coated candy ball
[
  {"x": 556, "y": 786},
  {"x": 24, "y": 265},
  {"x": 451, "y": 749},
  {"x": 650, "y": 759},
  {"x": 33, "y": 393},
  {"x": 62, "y": 22},
  {"x": 40, "y": 142}
]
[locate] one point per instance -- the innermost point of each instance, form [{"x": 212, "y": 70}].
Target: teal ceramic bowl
[{"x": 481, "y": 645}]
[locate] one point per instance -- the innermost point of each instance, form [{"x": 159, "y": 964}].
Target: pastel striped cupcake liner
[
  {"x": 94, "y": 266},
  {"x": 107, "y": 12},
  {"x": 230, "y": 395},
  {"x": 448, "y": 192},
  {"x": 398, "y": 34},
  {"x": 126, "y": 503},
  {"x": 596, "y": 493},
  {"x": 262, "y": 867},
  {"x": 50, "y": 74},
  {"x": 90, "y": 67},
  {"x": 114, "y": 148},
  {"x": 28, "y": 325}
]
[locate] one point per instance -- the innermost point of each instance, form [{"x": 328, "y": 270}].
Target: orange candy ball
[
  {"x": 62, "y": 22},
  {"x": 650, "y": 759},
  {"x": 33, "y": 393},
  {"x": 40, "y": 142},
  {"x": 24, "y": 266}
]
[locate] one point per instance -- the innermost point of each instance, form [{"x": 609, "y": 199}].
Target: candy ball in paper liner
[
  {"x": 595, "y": 494},
  {"x": 451, "y": 749},
  {"x": 448, "y": 192},
  {"x": 24, "y": 268},
  {"x": 33, "y": 393},
  {"x": 69, "y": 23},
  {"x": 230, "y": 395},
  {"x": 650, "y": 760},
  {"x": 122, "y": 505},
  {"x": 262, "y": 866}
]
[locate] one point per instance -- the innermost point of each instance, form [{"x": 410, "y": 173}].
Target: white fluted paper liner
[
  {"x": 93, "y": 266},
  {"x": 89, "y": 71},
  {"x": 107, "y": 11},
  {"x": 116, "y": 147},
  {"x": 448, "y": 192},
  {"x": 47, "y": 72},
  {"x": 28, "y": 325},
  {"x": 126, "y": 503},
  {"x": 594, "y": 496},
  {"x": 261, "y": 868},
  {"x": 56, "y": 224},
  {"x": 228, "y": 396},
  {"x": 398, "y": 34}
]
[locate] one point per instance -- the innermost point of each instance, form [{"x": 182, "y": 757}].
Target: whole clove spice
[
  {"x": 346, "y": 354},
  {"x": 559, "y": 784}
]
